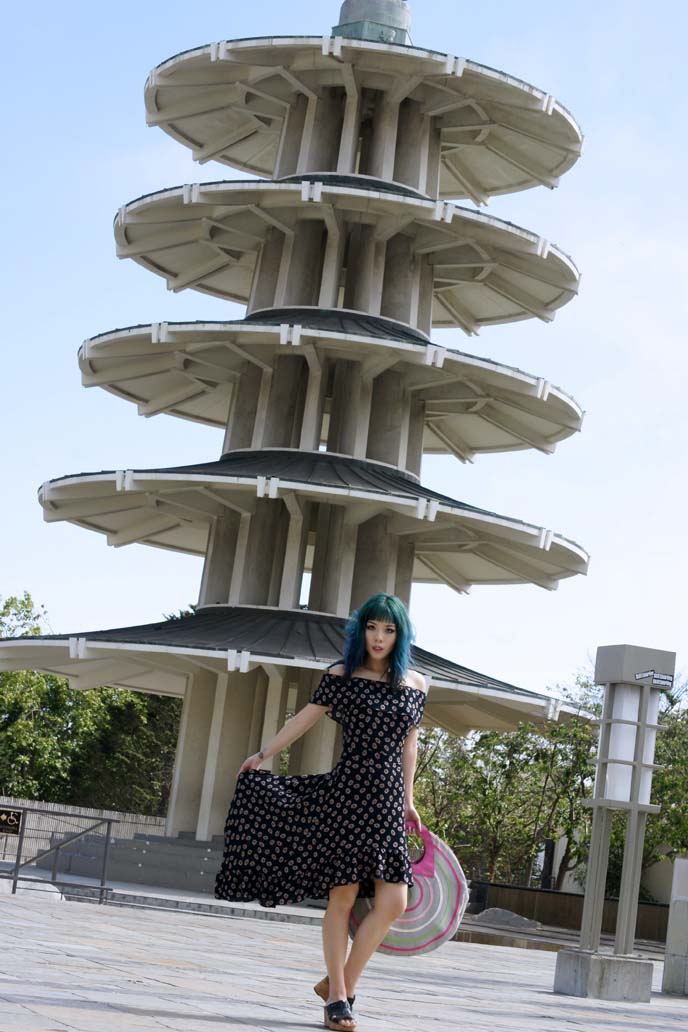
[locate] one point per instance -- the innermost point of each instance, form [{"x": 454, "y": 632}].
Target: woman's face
[{"x": 380, "y": 637}]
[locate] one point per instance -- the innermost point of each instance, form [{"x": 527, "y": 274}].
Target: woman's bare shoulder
[
  {"x": 338, "y": 669},
  {"x": 416, "y": 680}
]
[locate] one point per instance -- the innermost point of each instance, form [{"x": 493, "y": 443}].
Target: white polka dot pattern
[{"x": 289, "y": 837}]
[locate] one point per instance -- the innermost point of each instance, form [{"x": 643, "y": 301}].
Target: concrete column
[
  {"x": 300, "y": 682},
  {"x": 335, "y": 545},
  {"x": 426, "y": 296},
  {"x": 333, "y": 261},
  {"x": 266, "y": 275},
  {"x": 375, "y": 565},
  {"x": 351, "y": 129},
  {"x": 414, "y": 452},
  {"x": 264, "y": 554},
  {"x": 284, "y": 413},
  {"x": 236, "y": 728},
  {"x": 320, "y": 145},
  {"x": 192, "y": 744},
  {"x": 384, "y": 138},
  {"x": 275, "y": 715},
  {"x": 401, "y": 283},
  {"x": 365, "y": 271},
  {"x": 432, "y": 185},
  {"x": 295, "y": 553},
  {"x": 242, "y": 417},
  {"x": 305, "y": 263},
  {"x": 404, "y": 578},
  {"x": 389, "y": 420},
  {"x": 314, "y": 405},
  {"x": 292, "y": 134},
  {"x": 346, "y": 388},
  {"x": 413, "y": 146},
  {"x": 219, "y": 560}
]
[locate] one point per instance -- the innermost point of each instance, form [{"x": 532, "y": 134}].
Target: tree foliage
[
  {"x": 496, "y": 797},
  {"x": 107, "y": 747}
]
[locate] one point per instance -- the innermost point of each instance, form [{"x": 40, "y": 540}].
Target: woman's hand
[
  {"x": 412, "y": 816},
  {"x": 250, "y": 763}
]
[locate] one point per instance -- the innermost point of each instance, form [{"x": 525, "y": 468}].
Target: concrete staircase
[{"x": 178, "y": 863}]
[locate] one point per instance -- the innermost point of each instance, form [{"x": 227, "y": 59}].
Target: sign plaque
[{"x": 10, "y": 821}]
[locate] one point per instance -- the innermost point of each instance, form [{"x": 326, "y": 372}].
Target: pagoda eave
[
  {"x": 471, "y": 405},
  {"x": 159, "y": 658},
  {"x": 231, "y": 102}
]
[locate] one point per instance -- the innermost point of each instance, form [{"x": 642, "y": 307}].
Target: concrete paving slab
[{"x": 80, "y": 967}]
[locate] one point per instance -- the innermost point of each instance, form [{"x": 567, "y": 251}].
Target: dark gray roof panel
[
  {"x": 338, "y": 321},
  {"x": 282, "y": 634},
  {"x": 321, "y": 468},
  {"x": 355, "y": 183}
]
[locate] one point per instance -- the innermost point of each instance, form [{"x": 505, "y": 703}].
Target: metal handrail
[{"x": 18, "y": 864}]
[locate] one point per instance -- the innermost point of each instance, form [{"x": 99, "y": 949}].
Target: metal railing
[{"x": 14, "y": 874}]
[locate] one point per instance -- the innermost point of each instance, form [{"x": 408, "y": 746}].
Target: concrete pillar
[
  {"x": 413, "y": 146},
  {"x": 384, "y": 138},
  {"x": 401, "y": 283},
  {"x": 333, "y": 260},
  {"x": 675, "y": 975},
  {"x": 365, "y": 271},
  {"x": 351, "y": 130},
  {"x": 301, "y": 680},
  {"x": 404, "y": 577},
  {"x": 414, "y": 452},
  {"x": 389, "y": 420},
  {"x": 219, "y": 559},
  {"x": 375, "y": 564},
  {"x": 284, "y": 413},
  {"x": 235, "y": 732},
  {"x": 275, "y": 714},
  {"x": 266, "y": 274},
  {"x": 320, "y": 145},
  {"x": 346, "y": 388},
  {"x": 292, "y": 134},
  {"x": 333, "y": 560},
  {"x": 432, "y": 185},
  {"x": 295, "y": 552},
  {"x": 264, "y": 554},
  {"x": 314, "y": 405},
  {"x": 242, "y": 417},
  {"x": 192, "y": 744},
  {"x": 426, "y": 296},
  {"x": 304, "y": 261}
]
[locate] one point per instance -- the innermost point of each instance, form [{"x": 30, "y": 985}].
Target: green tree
[
  {"x": 496, "y": 797},
  {"x": 106, "y": 747}
]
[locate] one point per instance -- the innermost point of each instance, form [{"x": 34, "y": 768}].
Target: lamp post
[{"x": 634, "y": 678}]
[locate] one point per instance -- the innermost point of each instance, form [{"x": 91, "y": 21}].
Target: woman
[{"x": 339, "y": 834}]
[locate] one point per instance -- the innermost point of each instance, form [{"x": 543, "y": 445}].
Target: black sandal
[
  {"x": 334, "y": 1012},
  {"x": 323, "y": 988}
]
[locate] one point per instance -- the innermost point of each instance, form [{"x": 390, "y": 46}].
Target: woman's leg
[
  {"x": 335, "y": 933},
  {"x": 390, "y": 903}
]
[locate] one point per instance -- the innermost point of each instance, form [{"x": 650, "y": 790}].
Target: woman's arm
[
  {"x": 408, "y": 765},
  {"x": 296, "y": 726},
  {"x": 409, "y": 754}
]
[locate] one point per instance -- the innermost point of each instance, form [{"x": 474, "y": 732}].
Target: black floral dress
[{"x": 289, "y": 837}]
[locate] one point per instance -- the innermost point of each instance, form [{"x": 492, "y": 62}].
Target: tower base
[{"x": 603, "y": 976}]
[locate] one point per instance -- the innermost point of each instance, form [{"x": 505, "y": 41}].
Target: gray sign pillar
[{"x": 633, "y": 678}]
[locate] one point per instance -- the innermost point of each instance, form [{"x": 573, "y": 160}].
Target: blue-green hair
[{"x": 379, "y": 607}]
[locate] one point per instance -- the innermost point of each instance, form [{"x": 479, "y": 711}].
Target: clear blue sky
[{"x": 77, "y": 147}]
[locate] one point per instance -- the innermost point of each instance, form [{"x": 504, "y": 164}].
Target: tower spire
[{"x": 381, "y": 21}]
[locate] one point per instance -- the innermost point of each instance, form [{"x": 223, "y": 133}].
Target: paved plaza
[{"x": 89, "y": 968}]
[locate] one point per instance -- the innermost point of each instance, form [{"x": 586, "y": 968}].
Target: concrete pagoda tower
[{"x": 346, "y": 251}]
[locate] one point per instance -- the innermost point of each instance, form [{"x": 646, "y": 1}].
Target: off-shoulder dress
[{"x": 290, "y": 837}]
